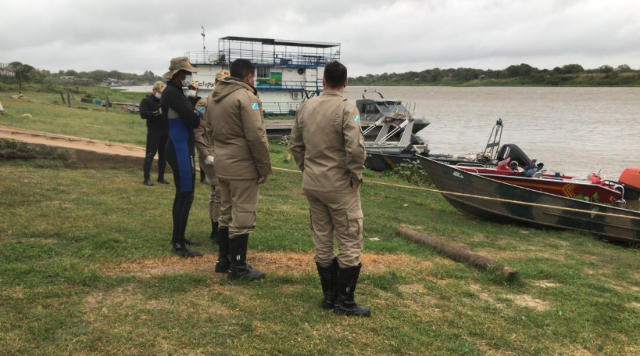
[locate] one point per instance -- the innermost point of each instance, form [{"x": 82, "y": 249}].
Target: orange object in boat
[{"x": 631, "y": 176}]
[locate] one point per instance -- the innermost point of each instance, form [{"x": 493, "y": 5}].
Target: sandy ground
[{"x": 80, "y": 151}]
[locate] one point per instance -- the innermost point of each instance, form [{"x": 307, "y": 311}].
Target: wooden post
[
  {"x": 459, "y": 254},
  {"x": 62, "y": 96},
  {"x": 68, "y": 98},
  {"x": 106, "y": 105}
]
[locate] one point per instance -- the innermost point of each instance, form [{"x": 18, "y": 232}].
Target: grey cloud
[{"x": 376, "y": 35}]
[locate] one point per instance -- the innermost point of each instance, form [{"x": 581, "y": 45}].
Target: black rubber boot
[
  {"x": 148, "y": 182},
  {"x": 345, "y": 303},
  {"x": 181, "y": 206},
  {"x": 214, "y": 232},
  {"x": 239, "y": 267},
  {"x": 183, "y": 251},
  {"x": 192, "y": 243},
  {"x": 329, "y": 283},
  {"x": 224, "y": 262},
  {"x": 161, "y": 180}
]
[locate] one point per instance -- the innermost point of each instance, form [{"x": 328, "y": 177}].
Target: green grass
[
  {"x": 87, "y": 269},
  {"x": 50, "y": 115}
]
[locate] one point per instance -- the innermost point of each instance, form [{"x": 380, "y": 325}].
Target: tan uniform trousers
[
  {"x": 339, "y": 213},
  {"x": 238, "y": 205},
  {"x": 214, "y": 197}
]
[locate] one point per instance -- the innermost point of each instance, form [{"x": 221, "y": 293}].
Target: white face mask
[
  {"x": 158, "y": 95},
  {"x": 191, "y": 93},
  {"x": 187, "y": 80}
]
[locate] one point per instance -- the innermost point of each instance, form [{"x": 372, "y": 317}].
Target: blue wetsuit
[{"x": 180, "y": 154}]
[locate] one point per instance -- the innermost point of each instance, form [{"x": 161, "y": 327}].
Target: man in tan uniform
[
  {"x": 206, "y": 158},
  {"x": 234, "y": 114},
  {"x": 328, "y": 146}
]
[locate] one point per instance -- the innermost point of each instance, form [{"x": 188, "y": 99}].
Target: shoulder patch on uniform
[
  {"x": 356, "y": 118},
  {"x": 255, "y": 106}
]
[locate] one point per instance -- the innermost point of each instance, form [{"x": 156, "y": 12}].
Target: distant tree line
[
  {"x": 30, "y": 74},
  {"x": 521, "y": 74}
]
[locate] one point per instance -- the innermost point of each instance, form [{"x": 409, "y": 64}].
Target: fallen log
[{"x": 459, "y": 254}]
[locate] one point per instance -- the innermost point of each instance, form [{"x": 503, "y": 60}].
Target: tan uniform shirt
[
  {"x": 327, "y": 143},
  {"x": 234, "y": 116},
  {"x": 204, "y": 146}
]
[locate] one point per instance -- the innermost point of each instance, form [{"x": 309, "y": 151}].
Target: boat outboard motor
[{"x": 517, "y": 155}]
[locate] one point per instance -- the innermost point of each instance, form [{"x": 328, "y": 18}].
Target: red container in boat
[{"x": 631, "y": 176}]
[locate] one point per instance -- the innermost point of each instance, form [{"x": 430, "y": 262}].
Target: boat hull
[
  {"x": 539, "y": 208},
  {"x": 593, "y": 192},
  {"x": 380, "y": 161}
]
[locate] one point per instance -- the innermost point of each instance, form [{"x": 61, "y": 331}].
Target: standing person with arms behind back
[
  {"x": 157, "y": 133},
  {"x": 183, "y": 119},
  {"x": 204, "y": 145},
  {"x": 328, "y": 147},
  {"x": 242, "y": 162},
  {"x": 193, "y": 94}
]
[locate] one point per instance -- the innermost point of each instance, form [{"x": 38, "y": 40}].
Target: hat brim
[{"x": 171, "y": 73}]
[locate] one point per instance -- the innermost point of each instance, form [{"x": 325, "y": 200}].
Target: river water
[{"x": 572, "y": 130}]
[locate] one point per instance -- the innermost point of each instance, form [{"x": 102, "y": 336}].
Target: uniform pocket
[
  {"x": 355, "y": 223},
  {"x": 245, "y": 215}
]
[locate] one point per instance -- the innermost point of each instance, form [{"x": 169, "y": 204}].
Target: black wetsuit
[
  {"x": 157, "y": 135},
  {"x": 180, "y": 153}
]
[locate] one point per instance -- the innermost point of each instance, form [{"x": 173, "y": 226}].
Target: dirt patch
[
  {"x": 411, "y": 289},
  {"x": 635, "y": 305},
  {"x": 482, "y": 295},
  {"x": 39, "y": 240},
  {"x": 296, "y": 263},
  {"x": 79, "y": 151},
  {"x": 579, "y": 352},
  {"x": 122, "y": 297},
  {"x": 525, "y": 300},
  {"x": 533, "y": 252},
  {"x": 624, "y": 287},
  {"x": 416, "y": 299},
  {"x": 127, "y": 297},
  {"x": 60, "y": 204},
  {"x": 15, "y": 292},
  {"x": 546, "y": 284},
  {"x": 413, "y": 227},
  {"x": 562, "y": 242}
]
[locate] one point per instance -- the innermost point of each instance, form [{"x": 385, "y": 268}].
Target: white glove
[{"x": 208, "y": 161}]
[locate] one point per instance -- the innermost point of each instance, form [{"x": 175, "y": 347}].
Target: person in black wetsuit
[
  {"x": 180, "y": 150},
  {"x": 157, "y": 133},
  {"x": 193, "y": 94}
]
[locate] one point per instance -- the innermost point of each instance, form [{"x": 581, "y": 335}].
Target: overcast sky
[{"x": 377, "y": 35}]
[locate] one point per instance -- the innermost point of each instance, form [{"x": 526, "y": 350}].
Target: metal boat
[
  {"x": 488, "y": 198},
  {"x": 374, "y": 106},
  {"x": 382, "y": 153},
  {"x": 385, "y": 154}
]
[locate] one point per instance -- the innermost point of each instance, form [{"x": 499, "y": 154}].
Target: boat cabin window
[
  {"x": 264, "y": 72},
  {"x": 391, "y": 107},
  {"x": 371, "y": 109}
]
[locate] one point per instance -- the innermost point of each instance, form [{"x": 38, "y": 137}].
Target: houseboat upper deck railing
[{"x": 268, "y": 52}]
